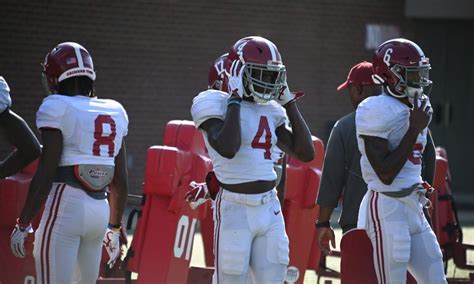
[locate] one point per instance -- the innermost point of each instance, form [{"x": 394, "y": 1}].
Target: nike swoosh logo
[{"x": 276, "y": 212}]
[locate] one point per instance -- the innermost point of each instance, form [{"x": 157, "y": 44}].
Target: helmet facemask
[
  {"x": 264, "y": 82},
  {"x": 411, "y": 80}
]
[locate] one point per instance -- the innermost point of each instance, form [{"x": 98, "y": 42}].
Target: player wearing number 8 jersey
[
  {"x": 83, "y": 154},
  {"x": 241, "y": 130},
  {"x": 392, "y": 133}
]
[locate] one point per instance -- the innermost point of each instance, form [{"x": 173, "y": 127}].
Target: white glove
[
  {"x": 236, "y": 84},
  {"x": 285, "y": 95},
  {"x": 197, "y": 195},
  {"x": 111, "y": 243},
  {"x": 17, "y": 239}
]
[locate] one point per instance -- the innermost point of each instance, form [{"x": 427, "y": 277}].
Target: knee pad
[
  {"x": 234, "y": 260},
  {"x": 277, "y": 261},
  {"x": 401, "y": 246}
]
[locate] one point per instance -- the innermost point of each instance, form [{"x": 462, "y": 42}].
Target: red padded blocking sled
[
  {"x": 163, "y": 245},
  {"x": 357, "y": 264},
  {"x": 184, "y": 135},
  {"x": 13, "y": 192},
  {"x": 299, "y": 208},
  {"x": 443, "y": 211}
]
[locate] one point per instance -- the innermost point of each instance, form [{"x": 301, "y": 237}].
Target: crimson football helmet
[
  {"x": 402, "y": 67},
  {"x": 217, "y": 77},
  {"x": 264, "y": 74},
  {"x": 66, "y": 60}
]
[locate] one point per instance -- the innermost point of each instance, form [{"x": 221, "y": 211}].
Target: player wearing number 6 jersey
[
  {"x": 83, "y": 154},
  {"x": 392, "y": 133},
  {"x": 241, "y": 130}
]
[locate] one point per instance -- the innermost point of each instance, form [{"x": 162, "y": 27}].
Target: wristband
[
  {"x": 114, "y": 227},
  {"x": 21, "y": 225},
  {"x": 322, "y": 224},
  {"x": 232, "y": 102}
]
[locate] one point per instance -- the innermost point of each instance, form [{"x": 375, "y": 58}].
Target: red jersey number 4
[{"x": 263, "y": 131}]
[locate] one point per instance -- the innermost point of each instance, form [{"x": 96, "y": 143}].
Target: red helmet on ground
[
  {"x": 402, "y": 67},
  {"x": 217, "y": 77},
  {"x": 264, "y": 73},
  {"x": 67, "y": 60}
]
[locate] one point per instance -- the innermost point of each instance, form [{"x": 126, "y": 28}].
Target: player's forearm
[
  {"x": 391, "y": 164},
  {"x": 39, "y": 189},
  {"x": 118, "y": 202},
  {"x": 303, "y": 144},
  {"x": 228, "y": 139},
  {"x": 119, "y": 187},
  {"x": 429, "y": 160},
  {"x": 325, "y": 214}
]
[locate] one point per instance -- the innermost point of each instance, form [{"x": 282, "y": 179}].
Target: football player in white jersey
[
  {"x": 241, "y": 130},
  {"x": 218, "y": 80},
  {"x": 18, "y": 134},
  {"x": 392, "y": 134},
  {"x": 83, "y": 154}
]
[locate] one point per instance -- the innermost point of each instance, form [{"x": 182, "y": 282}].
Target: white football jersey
[
  {"x": 5, "y": 100},
  {"x": 92, "y": 128},
  {"x": 258, "y": 122},
  {"x": 386, "y": 117}
]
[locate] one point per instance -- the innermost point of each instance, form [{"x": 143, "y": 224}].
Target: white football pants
[
  {"x": 69, "y": 238},
  {"x": 249, "y": 232},
  {"x": 402, "y": 239}
]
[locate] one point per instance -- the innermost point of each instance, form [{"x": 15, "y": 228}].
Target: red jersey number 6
[
  {"x": 100, "y": 138},
  {"x": 267, "y": 145}
]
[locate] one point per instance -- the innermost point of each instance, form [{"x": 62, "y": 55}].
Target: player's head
[
  {"x": 217, "y": 77},
  {"x": 264, "y": 73},
  {"x": 359, "y": 83},
  {"x": 402, "y": 67},
  {"x": 67, "y": 69}
]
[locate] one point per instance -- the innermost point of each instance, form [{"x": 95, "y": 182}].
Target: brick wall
[{"x": 153, "y": 56}]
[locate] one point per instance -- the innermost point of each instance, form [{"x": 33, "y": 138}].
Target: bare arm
[
  {"x": 297, "y": 143},
  {"x": 40, "y": 185},
  {"x": 388, "y": 164},
  {"x": 281, "y": 187},
  {"x": 224, "y": 136},
  {"x": 119, "y": 187},
  {"x": 429, "y": 160},
  {"x": 21, "y": 136}
]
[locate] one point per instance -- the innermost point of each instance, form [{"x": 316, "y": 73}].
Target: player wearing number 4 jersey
[
  {"x": 241, "y": 130},
  {"x": 392, "y": 133},
  {"x": 83, "y": 154}
]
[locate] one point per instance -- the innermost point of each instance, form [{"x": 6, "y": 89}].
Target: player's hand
[
  {"x": 197, "y": 194},
  {"x": 17, "y": 239},
  {"x": 236, "y": 83},
  {"x": 285, "y": 96},
  {"x": 111, "y": 243},
  {"x": 420, "y": 115},
  {"x": 326, "y": 235}
]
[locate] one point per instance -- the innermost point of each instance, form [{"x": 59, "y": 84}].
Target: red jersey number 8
[
  {"x": 267, "y": 145},
  {"x": 100, "y": 138}
]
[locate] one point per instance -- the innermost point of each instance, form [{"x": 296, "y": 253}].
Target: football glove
[
  {"x": 111, "y": 243},
  {"x": 17, "y": 239},
  {"x": 197, "y": 195},
  {"x": 236, "y": 84},
  {"x": 286, "y": 96}
]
